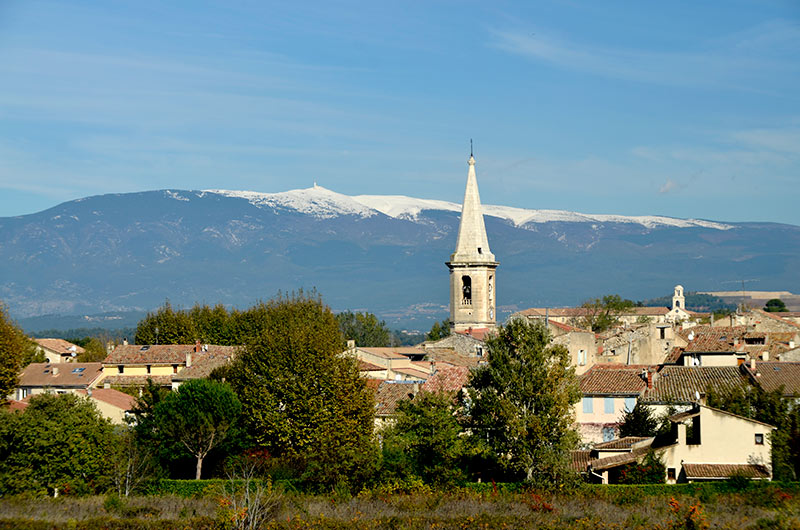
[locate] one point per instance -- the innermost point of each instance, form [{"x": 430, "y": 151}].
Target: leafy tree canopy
[
  {"x": 426, "y": 440},
  {"x": 166, "y": 326},
  {"x": 439, "y": 330},
  {"x": 603, "y": 312},
  {"x": 59, "y": 441},
  {"x": 521, "y": 403},
  {"x": 638, "y": 422},
  {"x": 303, "y": 400},
  {"x": 13, "y": 347},
  {"x": 364, "y": 328},
  {"x": 775, "y": 305},
  {"x": 197, "y": 417}
]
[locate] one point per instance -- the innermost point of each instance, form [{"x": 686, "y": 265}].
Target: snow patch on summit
[
  {"x": 324, "y": 204},
  {"x": 317, "y": 201}
]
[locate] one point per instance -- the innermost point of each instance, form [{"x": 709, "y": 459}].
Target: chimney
[
  {"x": 197, "y": 347},
  {"x": 712, "y": 319},
  {"x": 189, "y": 359},
  {"x": 106, "y": 385},
  {"x": 89, "y": 392},
  {"x": 752, "y": 364},
  {"x": 55, "y": 370},
  {"x": 791, "y": 344},
  {"x": 765, "y": 356},
  {"x": 433, "y": 367},
  {"x": 649, "y": 379},
  {"x": 125, "y": 341}
]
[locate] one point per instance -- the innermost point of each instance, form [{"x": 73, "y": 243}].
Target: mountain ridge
[{"x": 385, "y": 254}]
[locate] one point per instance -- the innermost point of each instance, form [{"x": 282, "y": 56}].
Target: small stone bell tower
[
  {"x": 678, "y": 300},
  {"x": 472, "y": 266}
]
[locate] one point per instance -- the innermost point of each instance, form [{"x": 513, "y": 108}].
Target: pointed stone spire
[{"x": 472, "y": 245}]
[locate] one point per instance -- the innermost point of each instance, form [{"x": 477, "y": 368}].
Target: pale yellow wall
[
  {"x": 724, "y": 439},
  {"x": 712, "y": 360},
  {"x": 575, "y": 341},
  {"x": 139, "y": 369},
  {"x": 590, "y": 424},
  {"x": 115, "y": 414}
]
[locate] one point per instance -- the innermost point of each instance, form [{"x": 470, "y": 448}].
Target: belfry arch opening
[{"x": 466, "y": 290}]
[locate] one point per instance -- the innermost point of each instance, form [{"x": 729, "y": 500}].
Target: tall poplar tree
[
  {"x": 521, "y": 403},
  {"x": 13, "y": 344}
]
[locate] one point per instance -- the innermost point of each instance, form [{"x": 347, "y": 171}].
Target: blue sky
[{"x": 638, "y": 108}]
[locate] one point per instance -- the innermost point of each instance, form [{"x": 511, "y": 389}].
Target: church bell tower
[{"x": 472, "y": 266}]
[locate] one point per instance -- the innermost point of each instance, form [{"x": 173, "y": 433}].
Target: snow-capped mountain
[{"x": 380, "y": 253}]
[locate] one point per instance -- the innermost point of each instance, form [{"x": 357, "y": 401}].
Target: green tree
[
  {"x": 364, "y": 328},
  {"x": 603, "y": 312},
  {"x": 13, "y": 345},
  {"x": 213, "y": 324},
  {"x": 521, "y": 403},
  {"x": 439, "y": 330},
  {"x": 638, "y": 422},
  {"x": 59, "y": 442},
  {"x": 426, "y": 440},
  {"x": 32, "y": 354},
  {"x": 775, "y": 305},
  {"x": 302, "y": 400},
  {"x": 651, "y": 470},
  {"x": 198, "y": 417},
  {"x": 94, "y": 350},
  {"x": 166, "y": 326}
]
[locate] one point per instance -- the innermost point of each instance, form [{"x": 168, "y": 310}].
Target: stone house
[
  {"x": 112, "y": 404},
  {"x": 58, "y": 350},
  {"x": 132, "y": 365},
  {"x": 59, "y": 378},
  {"x": 704, "y": 444},
  {"x": 607, "y": 392}
]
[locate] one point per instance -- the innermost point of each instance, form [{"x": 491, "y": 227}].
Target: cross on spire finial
[{"x": 470, "y": 147}]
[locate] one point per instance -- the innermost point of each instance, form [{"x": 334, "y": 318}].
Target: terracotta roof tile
[
  {"x": 620, "y": 443},
  {"x": 137, "y": 380},
  {"x": 724, "y": 471},
  {"x": 113, "y": 397},
  {"x": 203, "y": 363},
  {"x": 618, "y": 381},
  {"x": 16, "y": 406},
  {"x": 773, "y": 375},
  {"x": 580, "y": 460},
  {"x": 59, "y": 346},
  {"x": 60, "y": 375},
  {"x": 447, "y": 379},
  {"x": 160, "y": 353},
  {"x": 364, "y": 366},
  {"x": 679, "y": 383},
  {"x": 619, "y": 460},
  {"x": 389, "y": 394}
]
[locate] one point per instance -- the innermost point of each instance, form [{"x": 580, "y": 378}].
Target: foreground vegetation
[{"x": 479, "y": 506}]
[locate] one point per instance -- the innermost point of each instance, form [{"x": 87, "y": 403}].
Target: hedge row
[
  {"x": 200, "y": 488},
  {"x": 109, "y": 523}
]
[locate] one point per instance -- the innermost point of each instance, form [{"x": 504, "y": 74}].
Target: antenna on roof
[{"x": 470, "y": 147}]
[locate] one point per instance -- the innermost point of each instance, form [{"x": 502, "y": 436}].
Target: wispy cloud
[
  {"x": 668, "y": 186},
  {"x": 730, "y": 62}
]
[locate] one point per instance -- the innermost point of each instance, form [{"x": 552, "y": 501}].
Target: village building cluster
[{"x": 667, "y": 358}]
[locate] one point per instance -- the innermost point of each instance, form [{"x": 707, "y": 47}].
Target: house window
[
  {"x": 608, "y": 405},
  {"x": 661, "y": 333},
  {"x": 609, "y": 434},
  {"x": 582, "y": 357},
  {"x": 174, "y": 368},
  {"x": 148, "y": 368},
  {"x": 587, "y": 405},
  {"x": 670, "y": 473},
  {"x": 759, "y": 439},
  {"x": 120, "y": 369},
  {"x": 479, "y": 351},
  {"x": 630, "y": 403}
]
